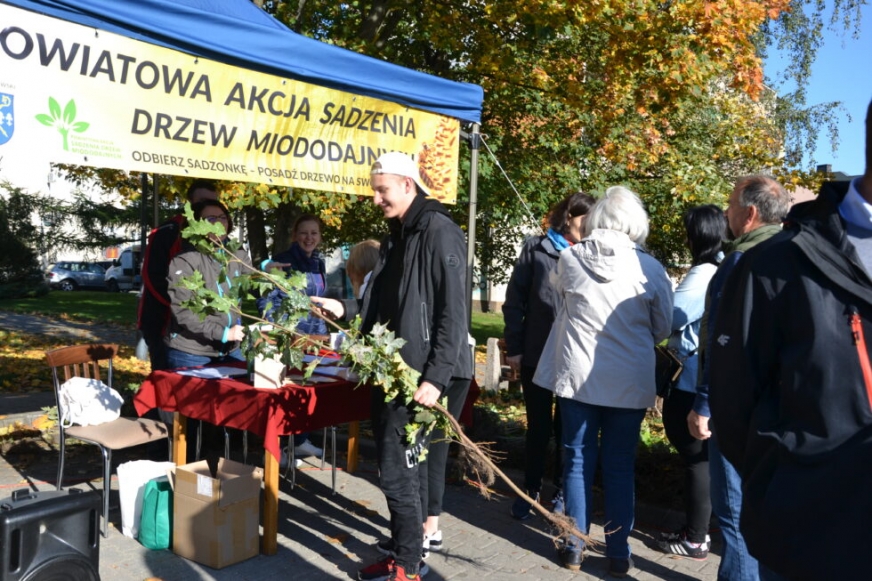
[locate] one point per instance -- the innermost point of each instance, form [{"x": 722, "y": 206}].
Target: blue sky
[{"x": 842, "y": 72}]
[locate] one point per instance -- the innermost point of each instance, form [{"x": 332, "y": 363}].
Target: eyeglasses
[{"x": 213, "y": 219}]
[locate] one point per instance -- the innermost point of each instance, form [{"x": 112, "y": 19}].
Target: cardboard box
[{"x": 216, "y": 517}]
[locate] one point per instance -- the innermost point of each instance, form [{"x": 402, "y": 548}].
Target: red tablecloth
[{"x": 269, "y": 413}]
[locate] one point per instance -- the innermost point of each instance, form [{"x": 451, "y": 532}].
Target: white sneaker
[
  {"x": 433, "y": 541},
  {"x": 307, "y": 448},
  {"x": 283, "y": 463}
]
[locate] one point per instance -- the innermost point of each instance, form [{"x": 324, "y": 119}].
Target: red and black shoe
[{"x": 388, "y": 570}]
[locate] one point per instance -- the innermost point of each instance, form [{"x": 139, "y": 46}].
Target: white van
[{"x": 124, "y": 275}]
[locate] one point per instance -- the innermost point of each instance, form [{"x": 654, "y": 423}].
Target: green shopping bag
[{"x": 156, "y": 524}]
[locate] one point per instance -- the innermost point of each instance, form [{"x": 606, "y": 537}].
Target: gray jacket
[{"x": 187, "y": 332}]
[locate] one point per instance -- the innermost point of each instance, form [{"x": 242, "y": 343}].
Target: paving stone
[{"x": 325, "y": 536}]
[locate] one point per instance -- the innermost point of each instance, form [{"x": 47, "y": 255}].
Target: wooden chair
[{"x": 84, "y": 361}]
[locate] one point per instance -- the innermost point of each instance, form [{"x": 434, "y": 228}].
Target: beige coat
[{"x": 617, "y": 306}]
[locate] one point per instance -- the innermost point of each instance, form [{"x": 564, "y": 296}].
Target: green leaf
[
  {"x": 70, "y": 112},
  {"x": 54, "y": 108}
]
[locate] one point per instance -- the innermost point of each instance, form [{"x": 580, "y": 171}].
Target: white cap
[{"x": 398, "y": 163}]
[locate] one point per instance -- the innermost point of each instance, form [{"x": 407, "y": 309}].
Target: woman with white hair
[{"x": 599, "y": 360}]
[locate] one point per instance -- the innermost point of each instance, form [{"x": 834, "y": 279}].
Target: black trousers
[
  {"x": 432, "y": 470},
  {"x": 697, "y": 497},
  {"x": 543, "y": 421},
  {"x": 399, "y": 476}
]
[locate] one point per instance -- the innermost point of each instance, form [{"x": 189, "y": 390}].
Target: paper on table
[
  {"x": 299, "y": 379},
  {"x": 214, "y": 372},
  {"x": 336, "y": 371},
  {"x": 308, "y": 358}
]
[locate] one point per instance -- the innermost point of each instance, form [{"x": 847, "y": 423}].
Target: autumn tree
[{"x": 667, "y": 98}]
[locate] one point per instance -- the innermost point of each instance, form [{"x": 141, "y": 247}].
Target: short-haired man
[
  {"x": 757, "y": 206},
  {"x": 792, "y": 402},
  {"x": 418, "y": 289},
  {"x": 164, "y": 243}
]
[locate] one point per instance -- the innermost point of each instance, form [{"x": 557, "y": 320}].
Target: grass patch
[
  {"x": 120, "y": 309},
  {"x": 97, "y": 306},
  {"x": 485, "y": 325}
]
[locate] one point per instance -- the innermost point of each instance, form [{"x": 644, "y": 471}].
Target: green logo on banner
[{"x": 63, "y": 122}]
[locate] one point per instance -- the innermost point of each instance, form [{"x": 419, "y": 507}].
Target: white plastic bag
[
  {"x": 88, "y": 402},
  {"x": 132, "y": 478}
]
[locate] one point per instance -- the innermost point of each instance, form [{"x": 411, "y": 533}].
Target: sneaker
[
  {"x": 307, "y": 448},
  {"x": 677, "y": 544},
  {"x": 679, "y": 535},
  {"x": 387, "y": 547},
  {"x": 570, "y": 557},
  {"x": 558, "y": 504},
  {"x": 388, "y": 570},
  {"x": 521, "y": 509},
  {"x": 283, "y": 462},
  {"x": 433, "y": 541},
  {"x": 620, "y": 567}
]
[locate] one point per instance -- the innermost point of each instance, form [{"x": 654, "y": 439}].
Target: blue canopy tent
[{"x": 239, "y": 33}]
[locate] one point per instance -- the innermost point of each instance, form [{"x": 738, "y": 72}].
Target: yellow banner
[{"x": 72, "y": 94}]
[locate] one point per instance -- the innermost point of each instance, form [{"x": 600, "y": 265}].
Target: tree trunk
[
  {"x": 255, "y": 224},
  {"x": 285, "y": 214}
]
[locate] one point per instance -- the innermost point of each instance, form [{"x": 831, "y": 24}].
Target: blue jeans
[
  {"x": 737, "y": 564},
  {"x": 176, "y": 358},
  {"x": 586, "y": 430}
]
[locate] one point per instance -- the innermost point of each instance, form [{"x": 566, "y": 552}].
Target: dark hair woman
[
  {"x": 192, "y": 341},
  {"x": 706, "y": 228},
  {"x": 529, "y": 310},
  {"x": 567, "y": 216}
]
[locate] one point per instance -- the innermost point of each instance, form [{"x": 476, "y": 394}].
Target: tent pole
[
  {"x": 475, "y": 144},
  {"x": 155, "y": 202},
  {"x": 143, "y": 211}
]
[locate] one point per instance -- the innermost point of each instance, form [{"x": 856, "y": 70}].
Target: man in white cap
[{"x": 419, "y": 290}]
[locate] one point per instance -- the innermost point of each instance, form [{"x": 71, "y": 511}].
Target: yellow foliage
[
  {"x": 24, "y": 367},
  {"x": 43, "y": 423}
]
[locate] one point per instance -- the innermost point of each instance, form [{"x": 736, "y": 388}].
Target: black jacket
[
  {"x": 789, "y": 403},
  {"x": 531, "y": 300},
  {"x": 431, "y": 313},
  {"x": 164, "y": 243}
]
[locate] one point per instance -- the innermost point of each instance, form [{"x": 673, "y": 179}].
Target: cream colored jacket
[{"x": 617, "y": 306}]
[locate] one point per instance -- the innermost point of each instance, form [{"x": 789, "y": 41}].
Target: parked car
[{"x": 72, "y": 275}]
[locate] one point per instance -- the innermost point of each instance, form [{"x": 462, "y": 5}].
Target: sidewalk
[{"x": 325, "y": 536}]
